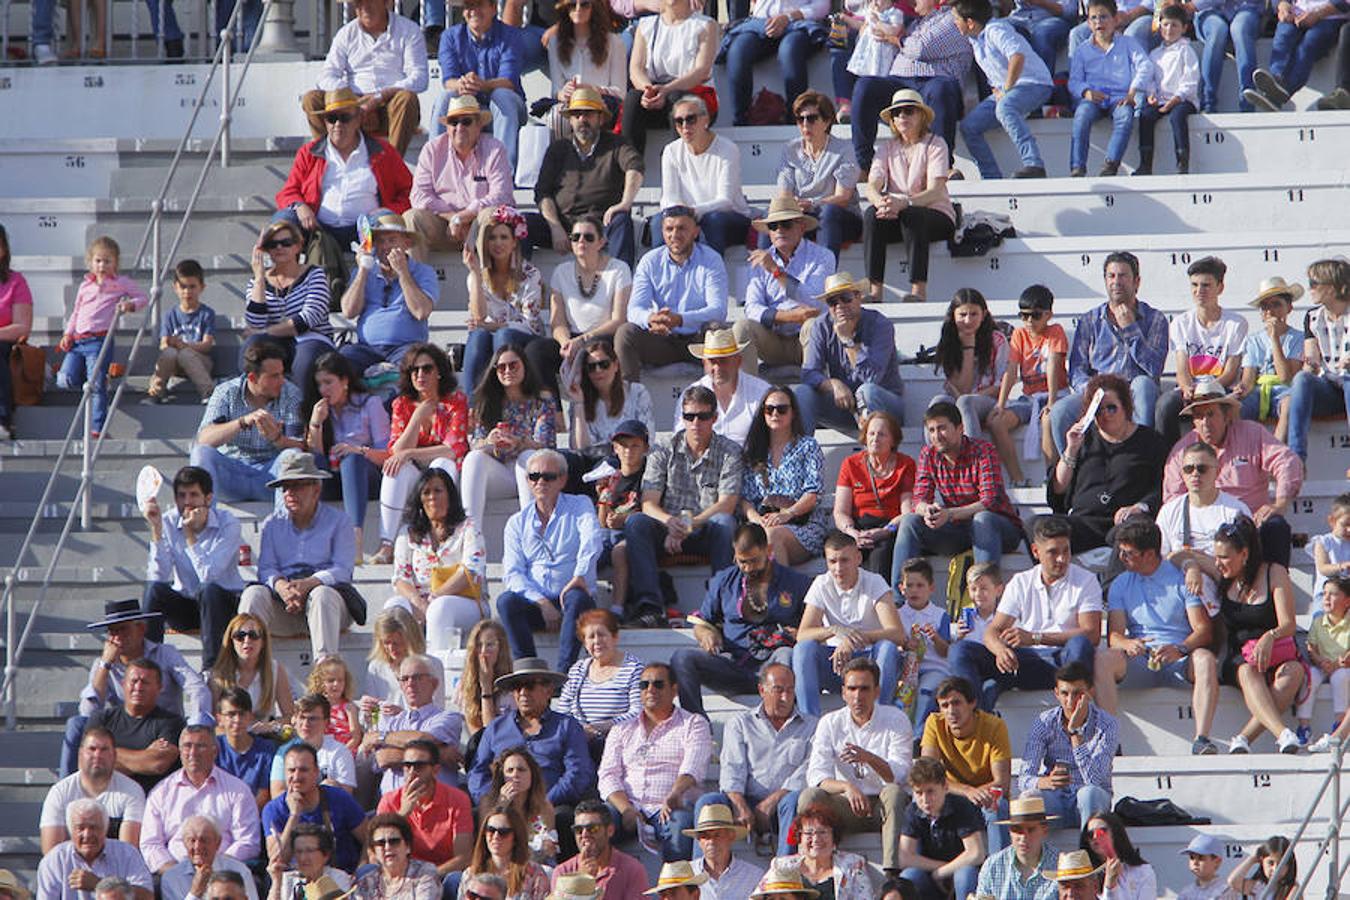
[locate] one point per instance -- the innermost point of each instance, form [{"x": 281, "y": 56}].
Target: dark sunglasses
[
  {"x": 1195, "y": 468},
  {"x": 777, "y": 409},
  {"x": 589, "y": 237},
  {"x": 1031, "y": 315},
  {"x": 808, "y": 118},
  {"x": 1101, "y": 832},
  {"x": 499, "y": 830},
  {"x": 461, "y": 121},
  {"x": 278, "y": 242},
  {"x": 655, "y": 684},
  {"x": 531, "y": 685},
  {"x": 543, "y": 476},
  {"x": 599, "y": 365},
  {"x": 242, "y": 635},
  {"x": 339, "y": 118},
  {"x": 471, "y": 894},
  {"x": 423, "y": 369},
  {"x": 577, "y": 4},
  {"x": 700, "y": 416},
  {"x": 681, "y": 121},
  {"x": 781, "y": 226},
  {"x": 386, "y": 842},
  {"x": 508, "y": 366},
  {"x": 1108, "y": 408}
]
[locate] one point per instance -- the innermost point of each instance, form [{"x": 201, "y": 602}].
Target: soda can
[
  {"x": 997, "y": 793},
  {"x": 245, "y": 555},
  {"x": 968, "y": 618}
]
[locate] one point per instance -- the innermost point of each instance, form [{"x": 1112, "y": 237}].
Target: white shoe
[
  {"x": 1288, "y": 741},
  {"x": 1239, "y": 744},
  {"x": 1325, "y": 744},
  {"x": 44, "y": 55}
]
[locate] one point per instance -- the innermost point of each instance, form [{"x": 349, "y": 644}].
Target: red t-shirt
[
  {"x": 1028, "y": 354},
  {"x": 853, "y": 477},
  {"x": 435, "y": 824}
]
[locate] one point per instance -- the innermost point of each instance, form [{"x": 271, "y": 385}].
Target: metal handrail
[{"x": 160, "y": 263}]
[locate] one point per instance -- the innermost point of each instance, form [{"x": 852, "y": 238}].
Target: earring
[{"x": 301, "y": 258}]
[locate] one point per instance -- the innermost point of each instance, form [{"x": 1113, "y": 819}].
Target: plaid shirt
[
  {"x": 977, "y": 474},
  {"x": 688, "y": 483},
  {"x": 229, "y": 401},
  {"x": 1000, "y": 879},
  {"x": 644, "y": 763},
  {"x": 1089, "y": 763},
  {"x": 1139, "y": 348},
  {"x": 933, "y": 46}
]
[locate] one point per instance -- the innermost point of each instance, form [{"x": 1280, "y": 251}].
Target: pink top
[
  {"x": 13, "y": 292},
  {"x": 223, "y": 799},
  {"x": 442, "y": 182},
  {"x": 913, "y": 169},
  {"x": 644, "y": 764},
  {"x": 96, "y": 304},
  {"x": 1249, "y": 458}
]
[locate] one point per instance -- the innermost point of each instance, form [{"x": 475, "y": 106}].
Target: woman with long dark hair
[
  {"x": 1126, "y": 875},
  {"x": 783, "y": 480},
  {"x": 518, "y": 781},
  {"x": 514, "y": 417},
  {"x": 16, "y": 322},
  {"x": 606, "y": 401},
  {"x": 1260, "y": 875},
  {"x": 348, "y": 432},
  {"x": 586, "y": 52},
  {"x": 429, "y": 427},
  {"x": 440, "y": 561},
  {"x": 503, "y": 848},
  {"x": 1256, "y": 606}
]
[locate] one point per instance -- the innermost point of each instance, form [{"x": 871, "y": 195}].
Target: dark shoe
[
  {"x": 1259, "y": 100},
  {"x": 1269, "y": 85},
  {"x": 1145, "y": 166},
  {"x": 1109, "y": 168},
  {"x": 1030, "y": 172},
  {"x": 174, "y": 49},
  {"x": 1183, "y": 163},
  {"x": 649, "y": 619},
  {"x": 1203, "y": 746},
  {"x": 956, "y": 175},
  {"x": 1337, "y": 99},
  {"x": 1078, "y": 172}
]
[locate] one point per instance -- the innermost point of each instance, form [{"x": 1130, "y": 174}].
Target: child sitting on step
[
  {"x": 1036, "y": 355},
  {"x": 1272, "y": 356},
  {"x": 1331, "y": 551},
  {"x": 1329, "y": 659},
  {"x": 984, "y": 583},
  {"x": 926, "y": 623},
  {"x": 186, "y": 336}
]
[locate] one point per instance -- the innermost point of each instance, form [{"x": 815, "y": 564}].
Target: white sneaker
[
  {"x": 1288, "y": 741},
  {"x": 1239, "y": 744},
  {"x": 1324, "y": 744},
  {"x": 44, "y": 55}
]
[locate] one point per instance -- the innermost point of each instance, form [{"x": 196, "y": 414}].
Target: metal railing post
[
  {"x": 1333, "y": 823},
  {"x": 87, "y": 449},
  {"x": 156, "y": 288},
  {"x": 11, "y": 659},
  {"x": 226, "y": 39}
]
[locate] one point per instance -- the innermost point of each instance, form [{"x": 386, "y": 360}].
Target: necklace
[{"x": 581, "y": 284}]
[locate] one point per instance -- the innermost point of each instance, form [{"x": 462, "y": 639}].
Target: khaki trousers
[
  {"x": 194, "y": 366},
  {"x": 432, "y": 232},
  {"x": 324, "y": 616},
  {"x": 768, "y": 346}
]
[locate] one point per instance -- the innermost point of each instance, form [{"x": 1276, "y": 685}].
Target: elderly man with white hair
[
  {"x": 111, "y": 888},
  {"x": 191, "y": 875},
  {"x": 487, "y": 886},
  {"x": 73, "y": 868}
]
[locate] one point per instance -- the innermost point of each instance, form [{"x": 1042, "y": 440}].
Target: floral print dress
[
  {"x": 449, "y": 426},
  {"x": 797, "y": 473}
]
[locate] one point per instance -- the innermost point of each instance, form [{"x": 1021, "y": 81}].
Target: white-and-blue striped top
[
  {"x": 306, "y": 302},
  {"x": 591, "y": 702}
]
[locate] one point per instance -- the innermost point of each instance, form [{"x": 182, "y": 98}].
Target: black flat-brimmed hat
[{"x": 116, "y": 612}]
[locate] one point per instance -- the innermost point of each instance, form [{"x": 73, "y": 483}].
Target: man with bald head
[{"x": 190, "y": 877}]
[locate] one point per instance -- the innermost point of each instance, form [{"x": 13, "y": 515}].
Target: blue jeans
[
  {"x": 964, "y": 881},
  {"x": 521, "y": 617},
  {"x": 78, "y": 367},
  {"x": 811, "y": 664},
  {"x": 995, "y": 835},
  {"x": 508, "y": 115},
  {"x": 872, "y": 95},
  {"x": 1295, "y": 50},
  {"x": 842, "y": 79},
  {"x": 1180, "y": 118},
  {"x": 1215, "y": 30},
  {"x": 479, "y": 347},
  {"x": 246, "y": 27},
  {"x": 1314, "y": 395},
  {"x": 171, "y": 30},
  {"x": 1036, "y": 666},
  {"x": 1141, "y": 29},
  {"x": 817, "y": 406},
  {"x": 534, "y": 55},
  {"x": 1122, "y": 125},
  {"x": 747, "y": 44},
  {"x": 670, "y": 836},
  {"x": 357, "y": 479},
  {"x": 719, "y": 230},
  {"x": 233, "y": 478},
  {"x": 1251, "y": 404},
  {"x": 786, "y": 812},
  {"x": 1046, "y": 36},
  {"x": 1010, "y": 112},
  {"x": 988, "y": 534},
  {"x": 1069, "y": 408},
  {"x": 1074, "y": 808},
  {"x": 40, "y": 30},
  {"x": 645, "y": 538}
]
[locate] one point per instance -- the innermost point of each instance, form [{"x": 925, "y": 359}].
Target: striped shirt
[
  {"x": 1089, "y": 763},
  {"x": 977, "y": 474},
  {"x": 644, "y": 762},
  {"x": 305, "y": 303},
  {"x": 933, "y": 46},
  {"x": 602, "y": 701}
]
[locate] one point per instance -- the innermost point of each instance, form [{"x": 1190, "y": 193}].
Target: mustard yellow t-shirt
[{"x": 970, "y": 760}]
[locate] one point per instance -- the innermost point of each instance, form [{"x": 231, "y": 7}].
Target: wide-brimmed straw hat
[
  {"x": 342, "y": 98},
  {"x": 716, "y": 816},
  {"x": 584, "y": 100},
  {"x": 784, "y": 209},
  {"x": 577, "y": 886},
  {"x": 1026, "y": 809},
  {"x": 463, "y": 106},
  {"x": 527, "y": 668},
  {"x": 677, "y": 874},
  {"x": 297, "y": 465},
  {"x": 10, "y": 882},
  {"x": 325, "y": 888},
  {"x": 1209, "y": 389},
  {"x": 841, "y": 283},
  {"x": 1274, "y": 286},
  {"x": 1072, "y": 866},
  {"x": 907, "y": 97},
  {"x": 781, "y": 880},
  {"x": 718, "y": 344}
]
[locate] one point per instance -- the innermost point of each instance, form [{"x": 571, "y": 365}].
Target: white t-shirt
[
  {"x": 1337, "y": 550},
  {"x": 934, "y": 615},
  {"x": 1035, "y": 606},
  {"x": 587, "y": 313},
  {"x": 123, "y": 800},
  {"x": 1208, "y": 349},
  {"x": 734, "y": 419},
  {"x": 854, "y": 608},
  {"x": 709, "y": 181},
  {"x": 1205, "y": 520},
  {"x": 335, "y": 762}
]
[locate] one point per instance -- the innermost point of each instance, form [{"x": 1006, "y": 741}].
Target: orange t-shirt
[
  {"x": 853, "y": 477},
  {"x": 435, "y": 824},
  {"x": 1029, "y": 354}
]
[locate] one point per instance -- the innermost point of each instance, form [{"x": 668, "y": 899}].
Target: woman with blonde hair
[
  {"x": 396, "y": 635},
  {"x": 245, "y": 661},
  {"x": 487, "y": 657}
]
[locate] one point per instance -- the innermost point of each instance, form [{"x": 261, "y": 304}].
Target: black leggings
[
  {"x": 916, "y": 226},
  {"x": 637, "y": 119}
]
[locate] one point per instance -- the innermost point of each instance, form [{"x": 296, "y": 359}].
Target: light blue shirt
[
  {"x": 697, "y": 290},
  {"x": 325, "y": 550},
  {"x": 806, "y": 272},
  {"x": 540, "y": 561},
  {"x": 118, "y": 858},
  {"x": 444, "y": 725},
  {"x": 213, "y": 559},
  {"x": 386, "y": 320},
  {"x": 1258, "y": 354},
  {"x": 996, "y": 45},
  {"x": 181, "y": 683},
  {"x": 1113, "y": 72},
  {"x": 1154, "y": 605}
]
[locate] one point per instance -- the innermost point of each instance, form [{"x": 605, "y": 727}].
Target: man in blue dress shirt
[{"x": 484, "y": 57}]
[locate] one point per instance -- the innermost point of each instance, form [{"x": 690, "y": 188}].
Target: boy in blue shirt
[
  {"x": 186, "y": 336},
  {"x": 1105, "y": 76},
  {"x": 1019, "y": 83}
]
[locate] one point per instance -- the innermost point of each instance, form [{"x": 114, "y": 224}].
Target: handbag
[
  {"x": 777, "y": 503},
  {"x": 1282, "y": 651},
  {"x": 442, "y": 574},
  {"x": 28, "y": 373}
]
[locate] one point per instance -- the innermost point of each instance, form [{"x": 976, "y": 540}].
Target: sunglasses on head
[
  {"x": 808, "y": 118},
  {"x": 655, "y": 684},
  {"x": 589, "y": 237},
  {"x": 598, "y": 365},
  {"x": 1195, "y": 468},
  {"x": 245, "y": 635},
  {"x": 338, "y": 118},
  {"x": 777, "y": 409},
  {"x": 700, "y": 416},
  {"x": 549, "y": 477},
  {"x": 681, "y": 121},
  {"x": 274, "y": 243}
]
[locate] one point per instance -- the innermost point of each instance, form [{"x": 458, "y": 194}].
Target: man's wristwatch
[
  {"x": 1037, "y": 637},
  {"x": 1075, "y": 732}
]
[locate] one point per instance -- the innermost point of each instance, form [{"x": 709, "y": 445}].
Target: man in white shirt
[
  {"x": 1049, "y": 616},
  {"x": 738, "y": 393},
  {"x": 337, "y": 765},
  {"x": 860, "y": 760},
  {"x": 189, "y": 877},
  {"x": 1188, "y": 522},
  {"x": 95, "y": 779},
  {"x": 849, "y": 611},
  {"x": 382, "y": 57}
]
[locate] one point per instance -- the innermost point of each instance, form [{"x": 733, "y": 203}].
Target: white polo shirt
[
  {"x": 1035, "y": 606},
  {"x": 854, "y": 608}
]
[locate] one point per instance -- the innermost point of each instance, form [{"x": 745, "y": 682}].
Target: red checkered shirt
[{"x": 977, "y": 474}]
